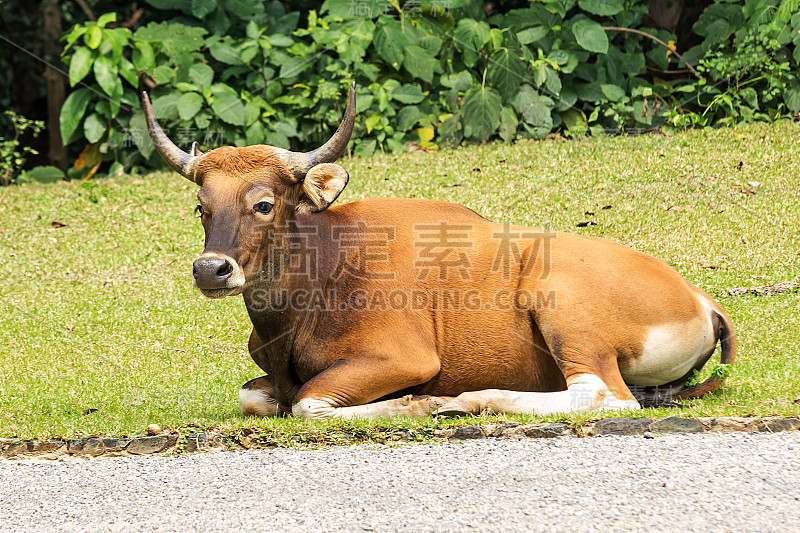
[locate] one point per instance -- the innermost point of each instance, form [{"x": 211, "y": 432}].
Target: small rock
[
  {"x": 153, "y": 429},
  {"x": 500, "y": 431},
  {"x": 621, "y": 426},
  {"x": 729, "y": 424},
  {"x": 538, "y": 431},
  {"x": 154, "y": 444},
  {"x": 775, "y": 425},
  {"x": 468, "y": 432},
  {"x": 648, "y": 435},
  {"x": 676, "y": 424},
  {"x": 29, "y": 447}
]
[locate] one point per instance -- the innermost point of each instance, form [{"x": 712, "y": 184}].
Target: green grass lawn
[{"x": 102, "y": 333}]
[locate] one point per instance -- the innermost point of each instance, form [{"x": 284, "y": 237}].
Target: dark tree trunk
[{"x": 51, "y": 22}]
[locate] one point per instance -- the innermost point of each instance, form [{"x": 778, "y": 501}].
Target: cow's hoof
[
  {"x": 454, "y": 408},
  {"x": 256, "y": 398}
]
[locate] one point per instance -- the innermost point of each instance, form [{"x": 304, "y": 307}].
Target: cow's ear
[{"x": 321, "y": 186}]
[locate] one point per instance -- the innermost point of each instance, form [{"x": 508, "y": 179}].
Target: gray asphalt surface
[{"x": 704, "y": 483}]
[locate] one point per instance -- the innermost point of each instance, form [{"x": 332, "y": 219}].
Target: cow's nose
[{"x": 212, "y": 272}]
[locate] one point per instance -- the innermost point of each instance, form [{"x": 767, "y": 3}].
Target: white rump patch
[{"x": 671, "y": 350}]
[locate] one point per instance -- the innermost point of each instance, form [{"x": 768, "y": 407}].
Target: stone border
[
  {"x": 108, "y": 447},
  {"x": 206, "y": 442},
  {"x": 645, "y": 427}
]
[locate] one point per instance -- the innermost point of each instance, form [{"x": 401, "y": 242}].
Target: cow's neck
[{"x": 284, "y": 305}]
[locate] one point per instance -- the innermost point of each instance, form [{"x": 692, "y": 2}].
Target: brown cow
[{"x": 393, "y": 306}]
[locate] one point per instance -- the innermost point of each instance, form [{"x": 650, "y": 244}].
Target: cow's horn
[
  {"x": 337, "y": 144},
  {"x": 177, "y": 159}
]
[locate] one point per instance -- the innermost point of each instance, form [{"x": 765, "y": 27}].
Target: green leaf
[
  {"x": 506, "y": 71},
  {"x": 573, "y": 119},
  {"x": 792, "y": 99},
  {"x": 105, "y": 72},
  {"x": 388, "y": 40},
  {"x": 481, "y": 108},
  {"x": 604, "y": 8},
  {"x": 567, "y": 99},
  {"x": 419, "y": 63},
  {"x": 535, "y": 110},
  {"x": 615, "y": 93},
  {"x": 508, "y": 124},
  {"x": 469, "y": 37},
  {"x": 72, "y": 112},
  {"x": 229, "y": 108},
  {"x": 177, "y": 41},
  {"x": 252, "y": 31},
  {"x": 408, "y": 94},
  {"x": 533, "y": 34},
  {"x": 201, "y": 8},
  {"x": 201, "y": 74},
  {"x": 188, "y": 105},
  {"x": 408, "y": 117},
  {"x": 127, "y": 71},
  {"x": 294, "y": 66},
  {"x": 225, "y": 53},
  {"x": 73, "y": 36},
  {"x": 164, "y": 74},
  {"x": 276, "y": 138},
  {"x": 590, "y": 36},
  {"x": 115, "y": 37},
  {"x": 251, "y": 113},
  {"x": 94, "y": 127},
  {"x": 79, "y": 65},
  {"x": 166, "y": 106},
  {"x": 552, "y": 82},
  {"x": 460, "y": 82},
  {"x": 280, "y": 40},
  {"x": 248, "y": 53},
  {"x": 104, "y": 19},
  {"x": 93, "y": 37},
  {"x": 750, "y": 96},
  {"x": 184, "y": 87},
  {"x": 143, "y": 56},
  {"x": 255, "y": 133},
  {"x": 45, "y": 174}
]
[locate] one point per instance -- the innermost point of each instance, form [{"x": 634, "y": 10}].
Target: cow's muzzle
[{"x": 217, "y": 275}]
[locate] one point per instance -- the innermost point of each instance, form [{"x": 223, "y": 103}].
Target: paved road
[{"x": 704, "y": 483}]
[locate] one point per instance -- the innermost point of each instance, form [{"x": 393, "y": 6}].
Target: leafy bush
[
  {"x": 12, "y": 153},
  {"x": 750, "y": 70},
  {"x": 433, "y": 73}
]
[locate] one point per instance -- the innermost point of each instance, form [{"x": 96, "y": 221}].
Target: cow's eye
[
  {"x": 198, "y": 210},
  {"x": 262, "y": 207}
]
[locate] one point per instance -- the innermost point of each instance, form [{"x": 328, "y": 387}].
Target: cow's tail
[{"x": 727, "y": 338}]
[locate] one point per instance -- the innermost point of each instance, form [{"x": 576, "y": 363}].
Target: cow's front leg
[{"x": 346, "y": 389}]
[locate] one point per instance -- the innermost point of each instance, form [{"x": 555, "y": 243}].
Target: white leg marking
[
  {"x": 671, "y": 350},
  {"x": 584, "y": 393},
  {"x": 255, "y": 402},
  {"x": 320, "y": 408}
]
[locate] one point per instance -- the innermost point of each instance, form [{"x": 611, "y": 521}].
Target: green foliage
[
  {"x": 12, "y": 153},
  {"x": 719, "y": 371},
  {"x": 247, "y": 73},
  {"x": 749, "y": 70}
]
